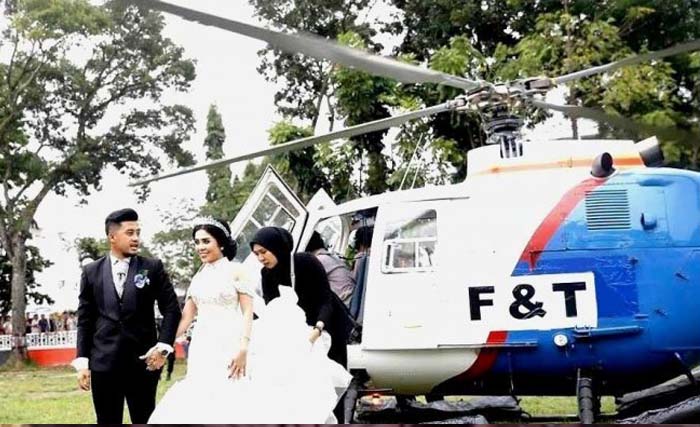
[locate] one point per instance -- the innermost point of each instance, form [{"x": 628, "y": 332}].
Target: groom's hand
[
  {"x": 84, "y": 379},
  {"x": 155, "y": 361},
  {"x": 154, "y": 358}
]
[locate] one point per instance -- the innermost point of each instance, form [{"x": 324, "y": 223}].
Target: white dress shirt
[{"x": 120, "y": 269}]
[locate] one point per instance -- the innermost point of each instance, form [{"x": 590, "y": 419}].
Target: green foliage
[
  {"x": 306, "y": 83},
  {"x": 562, "y": 43},
  {"x": 47, "y": 19},
  {"x": 361, "y": 98},
  {"x": 431, "y": 24},
  {"x": 296, "y": 167},
  {"x": 35, "y": 264},
  {"x": 90, "y": 248},
  {"x": 219, "y": 201},
  {"x": 174, "y": 245},
  {"x": 649, "y": 93}
]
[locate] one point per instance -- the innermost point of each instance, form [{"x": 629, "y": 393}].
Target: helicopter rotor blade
[
  {"x": 319, "y": 48},
  {"x": 617, "y": 121},
  {"x": 636, "y": 59},
  {"x": 349, "y": 132}
]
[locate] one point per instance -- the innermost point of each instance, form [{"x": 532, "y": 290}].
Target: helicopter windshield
[{"x": 271, "y": 203}]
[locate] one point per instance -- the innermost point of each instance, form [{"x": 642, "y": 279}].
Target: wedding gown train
[{"x": 288, "y": 380}]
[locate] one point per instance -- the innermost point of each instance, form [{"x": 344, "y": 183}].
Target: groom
[{"x": 119, "y": 352}]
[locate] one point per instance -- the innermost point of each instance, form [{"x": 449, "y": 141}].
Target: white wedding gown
[{"x": 288, "y": 381}]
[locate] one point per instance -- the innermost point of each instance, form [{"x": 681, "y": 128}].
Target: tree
[
  {"x": 218, "y": 200},
  {"x": 298, "y": 168},
  {"x": 56, "y": 110},
  {"x": 361, "y": 98},
  {"x": 304, "y": 81},
  {"x": 499, "y": 40},
  {"x": 35, "y": 264},
  {"x": 174, "y": 245},
  {"x": 307, "y": 82},
  {"x": 91, "y": 249},
  {"x": 582, "y": 35}
]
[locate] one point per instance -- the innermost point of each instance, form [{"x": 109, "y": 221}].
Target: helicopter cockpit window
[
  {"x": 410, "y": 243},
  {"x": 273, "y": 210},
  {"x": 331, "y": 231}
]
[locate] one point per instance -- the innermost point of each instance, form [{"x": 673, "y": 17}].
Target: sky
[{"x": 226, "y": 76}]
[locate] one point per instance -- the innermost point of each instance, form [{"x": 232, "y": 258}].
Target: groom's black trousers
[{"x": 135, "y": 383}]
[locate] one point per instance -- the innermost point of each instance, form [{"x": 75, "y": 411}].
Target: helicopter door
[
  {"x": 401, "y": 298},
  {"x": 272, "y": 203}
]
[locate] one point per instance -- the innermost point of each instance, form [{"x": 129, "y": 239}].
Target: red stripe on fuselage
[
  {"x": 483, "y": 363},
  {"x": 486, "y": 358},
  {"x": 555, "y": 218}
]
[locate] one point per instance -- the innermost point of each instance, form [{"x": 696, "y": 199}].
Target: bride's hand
[
  {"x": 238, "y": 365},
  {"x": 315, "y": 334}
]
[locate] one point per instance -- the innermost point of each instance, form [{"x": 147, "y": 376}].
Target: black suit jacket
[{"x": 114, "y": 333}]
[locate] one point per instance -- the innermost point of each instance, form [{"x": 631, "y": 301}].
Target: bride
[{"x": 240, "y": 373}]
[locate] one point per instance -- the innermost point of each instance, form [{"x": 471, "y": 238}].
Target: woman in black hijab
[
  {"x": 325, "y": 312},
  {"x": 273, "y": 247}
]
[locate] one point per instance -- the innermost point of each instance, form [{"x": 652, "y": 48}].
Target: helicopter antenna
[
  {"x": 415, "y": 175},
  {"x": 410, "y": 162}
]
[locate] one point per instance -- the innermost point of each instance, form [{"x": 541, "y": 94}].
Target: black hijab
[{"x": 280, "y": 242}]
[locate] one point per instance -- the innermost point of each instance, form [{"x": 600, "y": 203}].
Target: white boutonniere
[{"x": 141, "y": 279}]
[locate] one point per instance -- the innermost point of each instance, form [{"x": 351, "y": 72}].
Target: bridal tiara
[{"x": 207, "y": 220}]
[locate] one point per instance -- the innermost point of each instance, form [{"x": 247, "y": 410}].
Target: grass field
[
  {"x": 40, "y": 395},
  {"x": 51, "y": 396}
]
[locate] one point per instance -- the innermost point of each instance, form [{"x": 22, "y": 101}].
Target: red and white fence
[
  {"x": 53, "y": 348},
  {"x": 46, "y": 349}
]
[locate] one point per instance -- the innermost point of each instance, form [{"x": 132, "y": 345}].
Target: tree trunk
[
  {"x": 319, "y": 100},
  {"x": 19, "y": 285},
  {"x": 377, "y": 173},
  {"x": 574, "y": 128}
]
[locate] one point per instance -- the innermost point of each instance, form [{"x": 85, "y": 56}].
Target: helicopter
[{"x": 554, "y": 268}]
